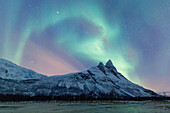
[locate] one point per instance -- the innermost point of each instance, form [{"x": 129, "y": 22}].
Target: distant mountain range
[
  {"x": 165, "y": 93},
  {"x": 99, "y": 82}
]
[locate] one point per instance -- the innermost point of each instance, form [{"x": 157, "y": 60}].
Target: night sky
[{"x": 55, "y": 37}]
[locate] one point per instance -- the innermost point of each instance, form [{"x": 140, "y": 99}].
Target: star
[
  {"x": 57, "y": 12},
  {"x": 32, "y": 62}
]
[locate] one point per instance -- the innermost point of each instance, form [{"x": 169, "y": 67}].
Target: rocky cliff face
[{"x": 102, "y": 81}]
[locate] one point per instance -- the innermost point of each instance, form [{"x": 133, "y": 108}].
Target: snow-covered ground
[{"x": 86, "y": 107}]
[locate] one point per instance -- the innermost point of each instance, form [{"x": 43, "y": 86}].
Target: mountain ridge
[
  {"x": 9, "y": 70},
  {"x": 101, "y": 81}
]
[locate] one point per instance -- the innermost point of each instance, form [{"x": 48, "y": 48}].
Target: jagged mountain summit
[{"x": 99, "y": 82}]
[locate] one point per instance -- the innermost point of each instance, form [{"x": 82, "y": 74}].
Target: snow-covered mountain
[
  {"x": 165, "y": 93},
  {"x": 9, "y": 70},
  {"x": 102, "y": 81}
]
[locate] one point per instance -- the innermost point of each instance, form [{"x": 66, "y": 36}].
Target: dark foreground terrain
[
  {"x": 86, "y": 107},
  {"x": 10, "y": 97}
]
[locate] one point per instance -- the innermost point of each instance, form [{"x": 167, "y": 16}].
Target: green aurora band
[{"x": 86, "y": 30}]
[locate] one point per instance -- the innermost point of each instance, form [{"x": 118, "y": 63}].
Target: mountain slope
[
  {"x": 9, "y": 70},
  {"x": 99, "y": 81},
  {"x": 102, "y": 81}
]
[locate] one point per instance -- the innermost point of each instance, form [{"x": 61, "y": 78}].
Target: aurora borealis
[{"x": 56, "y": 37}]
